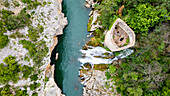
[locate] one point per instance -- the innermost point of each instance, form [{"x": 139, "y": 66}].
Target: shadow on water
[
  {"x": 57, "y": 75},
  {"x": 69, "y": 44}
]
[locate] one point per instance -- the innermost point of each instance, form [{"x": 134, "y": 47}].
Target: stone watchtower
[{"x": 120, "y": 36}]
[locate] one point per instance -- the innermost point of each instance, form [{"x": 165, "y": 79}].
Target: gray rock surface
[
  {"x": 95, "y": 86},
  {"x": 53, "y": 21},
  {"x": 51, "y": 88}
]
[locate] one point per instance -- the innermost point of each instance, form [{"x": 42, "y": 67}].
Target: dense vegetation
[
  {"x": 134, "y": 9},
  {"x": 3, "y": 40},
  {"x": 9, "y": 71},
  {"x": 146, "y": 71},
  {"x": 145, "y": 16}
]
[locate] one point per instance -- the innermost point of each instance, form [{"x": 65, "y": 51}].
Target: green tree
[
  {"x": 146, "y": 72},
  {"x": 5, "y": 91},
  {"x": 107, "y": 9},
  {"x": 21, "y": 93},
  {"x": 145, "y": 16},
  {"x": 3, "y": 40},
  {"x": 9, "y": 71}
]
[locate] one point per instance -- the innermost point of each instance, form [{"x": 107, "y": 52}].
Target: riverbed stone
[{"x": 87, "y": 5}]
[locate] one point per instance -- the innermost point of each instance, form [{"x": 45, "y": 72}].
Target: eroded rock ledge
[
  {"x": 95, "y": 85},
  {"x": 51, "y": 87}
]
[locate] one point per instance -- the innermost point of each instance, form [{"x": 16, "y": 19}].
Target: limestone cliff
[
  {"x": 47, "y": 14},
  {"x": 51, "y": 88}
]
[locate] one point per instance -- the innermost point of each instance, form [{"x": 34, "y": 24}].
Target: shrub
[
  {"x": 34, "y": 85},
  {"x": 12, "y": 22},
  {"x": 33, "y": 33},
  {"x": 34, "y": 94},
  {"x": 16, "y": 3},
  {"x": 10, "y": 71},
  {"x": 5, "y": 3},
  {"x": 27, "y": 59},
  {"x": 26, "y": 70},
  {"x": 26, "y": 1},
  {"x": 17, "y": 35},
  {"x": 3, "y": 40},
  {"x": 46, "y": 79},
  {"x": 31, "y": 4},
  {"x": 34, "y": 77},
  {"x": 143, "y": 17},
  {"x": 21, "y": 93}
]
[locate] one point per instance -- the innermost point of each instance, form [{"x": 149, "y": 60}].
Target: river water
[{"x": 73, "y": 39}]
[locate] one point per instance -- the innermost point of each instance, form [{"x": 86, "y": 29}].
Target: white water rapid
[{"x": 89, "y": 55}]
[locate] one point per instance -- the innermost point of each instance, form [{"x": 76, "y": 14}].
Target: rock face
[
  {"x": 53, "y": 22},
  {"x": 120, "y": 36},
  {"x": 89, "y": 2},
  {"x": 51, "y": 87},
  {"x": 94, "y": 80},
  {"x": 93, "y": 23},
  {"x": 95, "y": 86}
]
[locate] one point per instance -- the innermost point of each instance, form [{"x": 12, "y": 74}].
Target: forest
[{"x": 146, "y": 71}]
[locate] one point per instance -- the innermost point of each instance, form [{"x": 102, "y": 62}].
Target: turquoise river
[{"x": 73, "y": 39}]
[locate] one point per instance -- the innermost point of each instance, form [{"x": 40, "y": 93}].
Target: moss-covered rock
[
  {"x": 87, "y": 65},
  {"x": 100, "y": 66}
]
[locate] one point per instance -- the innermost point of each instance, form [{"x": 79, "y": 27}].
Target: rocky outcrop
[
  {"x": 93, "y": 23},
  {"x": 53, "y": 21},
  {"x": 95, "y": 86},
  {"x": 90, "y": 3},
  {"x": 94, "y": 81},
  {"x": 51, "y": 88}
]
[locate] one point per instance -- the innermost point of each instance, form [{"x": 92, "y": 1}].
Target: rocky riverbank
[
  {"x": 150, "y": 50},
  {"x": 47, "y": 14},
  {"x": 95, "y": 80},
  {"x": 51, "y": 87},
  {"x": 97, "y": 58}
]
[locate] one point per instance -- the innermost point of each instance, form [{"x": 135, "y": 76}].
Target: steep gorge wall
[
  {"x": 51, "y": 87},
  {"x": 53, "y": 21}
]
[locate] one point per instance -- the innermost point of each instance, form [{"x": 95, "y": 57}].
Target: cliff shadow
[{"x": 58, "y": 74}]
